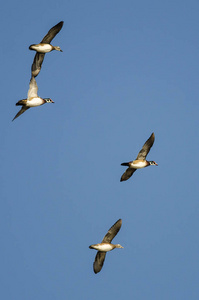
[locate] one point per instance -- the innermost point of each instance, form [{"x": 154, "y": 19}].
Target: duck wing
[
  {"x": 146, "y": 147},
  {"x": 127, "y": 174},
  {"x": 37, "y": 63},
  {"x": 112, "y": 232},
  {"x": 22, "y": 110},
  {"x": 99, "y": 261},
  {"x": 52, "y": 33},
  {"x": 33, "y": 88}
]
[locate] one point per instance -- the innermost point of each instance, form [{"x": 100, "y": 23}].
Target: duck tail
[
  {"x": 125, "y": 164},
  {"x": 21, "y": 102}
]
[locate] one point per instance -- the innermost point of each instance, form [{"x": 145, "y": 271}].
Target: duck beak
[{"x": 156, "y": 164}]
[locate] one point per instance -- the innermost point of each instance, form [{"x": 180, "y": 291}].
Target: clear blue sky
[{"x": 128, "y": 68}]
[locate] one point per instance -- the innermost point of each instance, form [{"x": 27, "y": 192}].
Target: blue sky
[{"x": 128, "y": 68}]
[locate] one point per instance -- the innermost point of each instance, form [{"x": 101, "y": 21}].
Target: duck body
[
  {"x": 137, "y": 164},
  {"x": 44, "y": 48},
  {"x": 41, "y": 48},
  {"x": 105, "y": 247},
  {"x": 37, "y": 101}
]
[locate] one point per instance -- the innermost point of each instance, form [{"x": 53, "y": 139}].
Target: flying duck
[
  {"x": 33, "y": 99},
  {"x": 105, "y": 246},
  {"x": 140, "y": 161},
  {"x": 44, "y": 47}
]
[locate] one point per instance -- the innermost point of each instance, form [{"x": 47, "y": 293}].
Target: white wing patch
[{"x": 33, "y": 89}]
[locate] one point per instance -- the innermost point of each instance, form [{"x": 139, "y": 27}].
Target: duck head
[
  {"x": 58, "y": 48},
  {"x": 153, "y": 163},
  {"x": 48, "y": 100},
  {"x": 118, "y": 246}
]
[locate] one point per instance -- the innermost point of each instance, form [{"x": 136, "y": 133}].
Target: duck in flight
[
  {"x": 32, "y": 100},
  {"x": 44, "y": 47},
  {"x": 140, "y": 161},
  {"x": 105, "y": 246}
]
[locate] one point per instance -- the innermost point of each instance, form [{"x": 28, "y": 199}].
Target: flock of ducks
[
  {"x": 34, "y": 100},
  {"x": 106, "y": 245}
]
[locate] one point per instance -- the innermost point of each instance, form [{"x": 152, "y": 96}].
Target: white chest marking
[
  {"x": 103, "y": 247},
  {"x": 35, "y": 102},
  {"x": 42, "y": 48},
  {"x": 138, "y": 165}
]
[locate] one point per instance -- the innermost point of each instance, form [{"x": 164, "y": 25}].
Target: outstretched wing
[
  {"x": 146, "y": 147},
  {"x": 37, "y": 63},
  {"x": 99, "y": 261},
  {"x": 112, "y": 232},
  {"x": 22, "y": 110},
  {"x": 127, "y": 174},
  {"x": 52, "y": 33},
  {"x": 33, "y": 88}
]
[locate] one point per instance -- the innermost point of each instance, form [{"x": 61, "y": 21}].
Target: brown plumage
[
  {"x": 22, "y": 110},
  {"x": 146, "y": 147}
]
